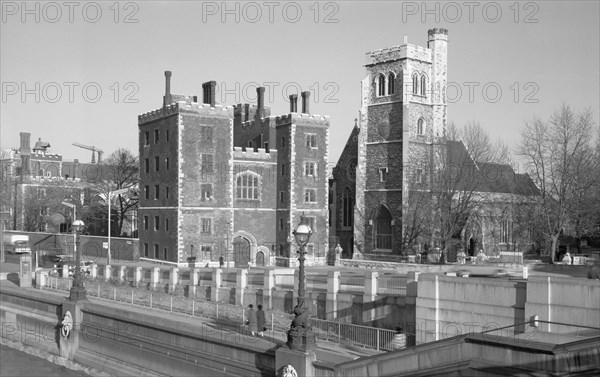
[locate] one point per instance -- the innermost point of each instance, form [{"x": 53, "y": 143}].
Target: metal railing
[{"x": 278, "y": 323}]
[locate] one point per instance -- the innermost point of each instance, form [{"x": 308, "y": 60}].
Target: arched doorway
[
  {"x": 383, "y": 229},
  {"x": 241, "y": 251}
]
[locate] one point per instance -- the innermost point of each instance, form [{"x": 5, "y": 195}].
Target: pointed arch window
[
  {"x": 348, "y": 208},
  {"x": 381, "y": 85},
  {"x": 248, "y": 186},
  {"x": 391, "y": 83},
  {"x": 383, "y": 229},
  {"x": 420, "y": 127},
  {"x": 423, "y": 85},
  {"x": 415, "y": 83}
]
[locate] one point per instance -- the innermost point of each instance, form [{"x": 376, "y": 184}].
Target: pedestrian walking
[
  {"x": 252, "y": 320},
  {"x": 260, "y": 321}
]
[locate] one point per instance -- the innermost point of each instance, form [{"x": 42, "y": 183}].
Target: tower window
[
  {"x": 381, "y": 85},
  {"x": 310, "y": 169},
  {"x": 423, "y": 85},
  {"x": 157, "y": 163},
  {"x": 310, "y": 195},
  {"x": 415, "y": 83},
  {"x": 420, "y": 127},
  {"x": 391, "y": 84},
  {"x": 206, "y": 226},
  {"x": 156, "y": 136},
  {"x": 383, "y": 172},
  {"x": 206, "y": 192},
  {"x": 311, "y": 141},
  {"x": 419, "y": 176}
]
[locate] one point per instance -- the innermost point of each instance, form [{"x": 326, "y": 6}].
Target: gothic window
[
  {"x": 247, "y": 186},
  {"x": 423, "y": 85},
  {"x": 505, "y": 226},
  {"x": 383, "y": 229},
  {"x": 206, "y": 226},
  {"x": 391, "y": 80},
  {"x": 348, "y": 208},
  {"x": 415, "y": 83},
  {"x": 381, "y": 85},
  {"x": 420, "y": 127}
]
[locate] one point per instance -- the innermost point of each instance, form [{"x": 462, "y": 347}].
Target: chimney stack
[
  {"x": 293, "y": 103},
  {"x": 260, "y": 101},
  {"x": 208, "y": 89},
  {"x": 167, "y": 99},
  {"x": 305, "y": 98}
]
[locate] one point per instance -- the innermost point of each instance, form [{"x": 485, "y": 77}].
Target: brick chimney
[
  {"x": 208, "y": 93},
  {"x": 305, "y": 99},
  {"x": 260, "y": 101},
  {"x": 293, "y": 103},
  {"x": 167, "y": 97}
]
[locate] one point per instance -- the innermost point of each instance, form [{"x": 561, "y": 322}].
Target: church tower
[{"x": 402, "y": 117}]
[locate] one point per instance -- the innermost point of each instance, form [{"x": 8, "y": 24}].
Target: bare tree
[
  {"x": 120, "y": 170},
  {"x": 558, "y": 155}
]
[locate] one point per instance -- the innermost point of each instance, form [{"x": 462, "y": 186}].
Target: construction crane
[{"x": 93, "y": 149}]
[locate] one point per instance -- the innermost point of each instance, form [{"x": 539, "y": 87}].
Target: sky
[{"x": 83, "y": 71}]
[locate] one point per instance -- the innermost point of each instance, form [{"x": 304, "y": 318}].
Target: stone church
[{"x": 396, "y": 150}]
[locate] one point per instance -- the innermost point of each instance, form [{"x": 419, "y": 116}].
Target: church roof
[{"x": 487, "y": 177}]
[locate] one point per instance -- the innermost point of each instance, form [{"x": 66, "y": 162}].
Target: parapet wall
[{"x": 398, "y": 52}]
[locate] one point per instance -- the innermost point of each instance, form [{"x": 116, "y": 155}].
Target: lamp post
[
  {"x": 300, "y": 334},
  {"x": 77, "y": 292}
]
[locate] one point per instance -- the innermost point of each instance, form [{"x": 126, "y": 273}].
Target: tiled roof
[{"x": 488, "y": 177}]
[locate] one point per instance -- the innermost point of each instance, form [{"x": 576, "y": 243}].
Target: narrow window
[
  {"x": 146, "y": 250},
  {"x": 147, "y": 191},
  {"x": 167, "y": 163},
  {"x": 156, "y": 222},
  {"x": 146, "y": 222},
  {"x": 167, "y": 192},
  {"x": 281, "y": 224},
  {"x": 391, "y": 84},
  {"x": 156, "y": 192},
  {"x": 383, "y": 172},
  {"x": 167, "y": 135},
  {"x": 206, "y": 192},
  {"x": 283, "y": 142},
  {"x": 423, "y": 85},
  {"x": 420, "y": 126},
  {"x": 281, "y": 196},
  {"x": 147, "y": 138},
  {"x": 206, "y": 226},
  {"x": 165, "y": 253},
  {"x": 311, "y": 141},
  {"x": 381, "y": 85},
  {"x": 282, "y": 170},
  {"x": 157, "y": 163},
  {"x": 415, "y": 83},
  {"x": 156, "y": 247},
  {"x": 419, "y": 176},
  {"x": 147, "y": 165},
  {"x": 207, "y": 163},
  {"x": 167, "y": 224},
  {"x": 155, "y": 136}
]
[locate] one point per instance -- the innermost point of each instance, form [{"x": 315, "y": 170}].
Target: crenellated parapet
[
  {"x": 185, "y": 106},
  {"x": 304, "y": 119},
  {"x": 243, "y": 153},
  {"x": 398, "y": 52}
]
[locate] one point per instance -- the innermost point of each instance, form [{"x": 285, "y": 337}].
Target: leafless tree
[
  {"x": 119, "y": 171},
  {"x": 559, "y": 156}
]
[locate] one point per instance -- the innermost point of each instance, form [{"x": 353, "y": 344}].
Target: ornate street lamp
[
  {"x": 77, "y": 292},
  {"x": 300, "y": 334}
]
